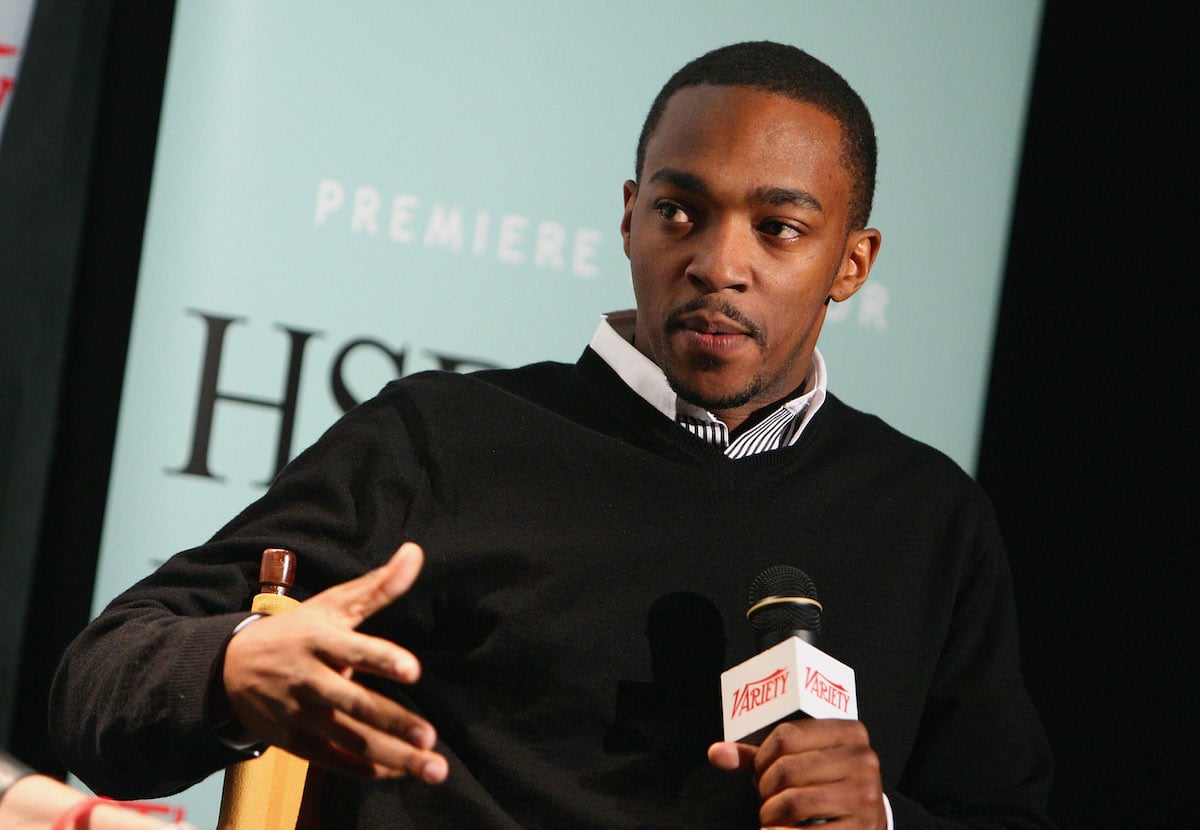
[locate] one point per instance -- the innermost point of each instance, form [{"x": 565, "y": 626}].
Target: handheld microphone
[
  {"x": 784, "y": 603},
  {"x": 789, "y": 676}
]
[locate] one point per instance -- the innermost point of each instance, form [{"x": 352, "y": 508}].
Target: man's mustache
[{"x": 723, "y": 307}]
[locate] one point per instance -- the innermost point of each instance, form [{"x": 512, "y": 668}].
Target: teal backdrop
[{"x": 347, "y": 192}]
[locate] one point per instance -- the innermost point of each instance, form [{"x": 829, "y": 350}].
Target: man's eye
[
  {"x": 672, "y": 212},
  {"x": 783, "y": 230}
]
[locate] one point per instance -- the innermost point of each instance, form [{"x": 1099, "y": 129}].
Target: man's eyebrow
[
  {"x": 786, "y": 196},
  {"x": 766, "y": 194},
  {"x": 684, "y": 181}
]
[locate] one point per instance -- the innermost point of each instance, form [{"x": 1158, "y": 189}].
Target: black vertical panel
[
  {"x": 45, "y": 159},
  {"x": 135, "y": 45},
  {"x": 1087, "y": 449}
]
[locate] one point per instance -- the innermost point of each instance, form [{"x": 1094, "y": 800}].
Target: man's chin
[{"x": 715, "y": 397}]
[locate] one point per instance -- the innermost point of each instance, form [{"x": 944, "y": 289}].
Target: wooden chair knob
[{"x": 277, "y": 573}]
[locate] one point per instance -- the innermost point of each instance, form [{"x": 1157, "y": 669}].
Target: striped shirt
[{"x": 613, "y": 342}]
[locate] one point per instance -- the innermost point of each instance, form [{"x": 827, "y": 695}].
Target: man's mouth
[
  {"x": 720, "y": 322},
  {"x": 703, "y": 323}
]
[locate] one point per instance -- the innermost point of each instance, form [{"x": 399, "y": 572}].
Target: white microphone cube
[{"x": 786, "y": 679}]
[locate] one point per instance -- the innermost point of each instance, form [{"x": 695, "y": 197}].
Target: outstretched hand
[
  {"x": 289, "y": 679},
  {"x": 811, "y": 772}
]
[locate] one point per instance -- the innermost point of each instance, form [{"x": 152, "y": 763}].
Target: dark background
[{"x": 1085, "y": 446}]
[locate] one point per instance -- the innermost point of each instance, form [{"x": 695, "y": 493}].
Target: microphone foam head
[{"x": 783, "y": 599}]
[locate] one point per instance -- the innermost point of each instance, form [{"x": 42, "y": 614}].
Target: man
[{"x": 547, "y": 521}]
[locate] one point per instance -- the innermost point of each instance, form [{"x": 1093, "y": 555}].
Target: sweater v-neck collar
[
  {"x": 659, "y": 430},
  {"x": 613, "y": 343}
]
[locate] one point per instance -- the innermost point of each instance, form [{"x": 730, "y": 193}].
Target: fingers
[
  {"x": 335, "y": 722},
  {"x": 423, "y": 766},
  {"x": 811, "y": 772},
  {"x": 358, "y": 711},
  {"x": 786, "y": 739},
  {"x": 339, "y": 741},
  {"x": 289, "y": 679},
  {"x": 350, "y": 651},
  {"x": 860, "y": 806},
  {"x": 732, "y": 757},
  {"x": 353, "y": 601},
  {"x": 809, "y": 742}
]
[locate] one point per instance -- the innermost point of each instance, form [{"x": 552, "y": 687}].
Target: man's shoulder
[
  {"x": 523, "y": 381},
  {"x": 875, "y": 440},
  {"x": 547, "y": 385}
]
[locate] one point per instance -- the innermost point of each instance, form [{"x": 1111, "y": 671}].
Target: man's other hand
[{"x": 288, "y": 679}]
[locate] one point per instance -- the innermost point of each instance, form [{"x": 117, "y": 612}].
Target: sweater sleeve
[
  {"x": 981, "y": 758},
  {"x": 128, "y": 705}
]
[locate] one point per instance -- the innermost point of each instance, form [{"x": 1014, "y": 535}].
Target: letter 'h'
[{"x": 208, "y": 396}]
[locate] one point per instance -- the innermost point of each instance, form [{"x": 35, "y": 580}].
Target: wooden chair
[{"x": 266, "y": 793}]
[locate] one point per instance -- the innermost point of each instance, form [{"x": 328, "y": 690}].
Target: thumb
[
  {"x": 356, "y": 599},
  {"x": 732, "y": 757}
]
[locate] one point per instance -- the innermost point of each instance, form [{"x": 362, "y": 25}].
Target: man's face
[{"x": 736, "y": 236}]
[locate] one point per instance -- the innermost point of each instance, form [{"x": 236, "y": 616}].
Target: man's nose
[{"x": 721, "y": 260}]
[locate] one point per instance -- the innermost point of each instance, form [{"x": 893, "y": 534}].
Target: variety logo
[
  {"x": 820, "y": 686},
  {"x": 757, "y": 692}
]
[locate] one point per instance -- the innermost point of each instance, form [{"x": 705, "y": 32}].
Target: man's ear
[
  {"x": 630, "y": 198},
  {"x": 861, "y": 249}
]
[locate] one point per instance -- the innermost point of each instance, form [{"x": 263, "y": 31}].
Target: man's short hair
[{"x": 785, "y": 70}]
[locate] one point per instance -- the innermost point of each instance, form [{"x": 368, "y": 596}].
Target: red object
[{"x": 76, "y": 817}]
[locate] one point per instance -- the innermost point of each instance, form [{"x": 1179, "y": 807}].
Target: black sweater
[{"x": 587, "y": 565}]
